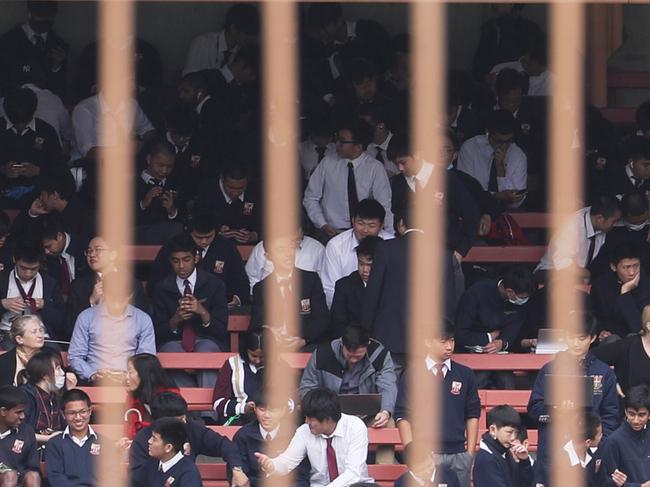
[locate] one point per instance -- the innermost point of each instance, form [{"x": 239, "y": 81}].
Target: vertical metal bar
[{"x": 565, "y": 193}]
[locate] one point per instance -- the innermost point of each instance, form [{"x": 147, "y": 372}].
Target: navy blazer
[
  {"x": 208, "y": 288},
  {"x": 346, "y": 304}
]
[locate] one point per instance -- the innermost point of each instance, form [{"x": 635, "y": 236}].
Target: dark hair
[
  {"x": 196, "y": 80},
  {"x": 172, "y": 431},
  {"x": 404, "y": 215},
  {"x": 321, "y": 14},
  {"x": 28, "y": 251},
  {"x": 321, "y": 404},
  {"x": 537, "y": 50},
  {"x": 11, "y": 396},
  {"x": 251, "y": 340},
  {"x": 355, "y": 337},
  {"x": 638, "y": 148},
  {"x": 378, "y": 114},
  {"x": 182, "y": 243},
  {"x": 51, "y": 226},
  {"x": 634, "y": 204},
  {"x": 181, "y": 119},
  {"x": 73, "y": 395},
  {"x": 587, "y": 324},
  {"x": 249, "y": 56},
  {"x": 368, "y": 246},
  {"x": 59, "y": 181},
  {"x": 638, "y": 397},
  {"x": 245, "y": 17},
  {"x": 168, "y": 405},
  {"x": 448, "y": 329},
  {"x": 160, "y": 146},
  {"x": 203, "y": 221},
  {"x": 504, "y": 415},
  {"x": 509, "y": 79},
  {"x": 522, "y": 433},
  {"x": 369, "y": 209},
  {"x": 362, "y": 69},
  {"x": 360, "y": 130},
  {"x": 501, "y": 122},
  {"x": 20, "y": 105},
  {"x": 627, "y": 250},
  {"x": 605, "y": 205},
  {"x": 643, "y": 116},
  {"x": 40, "y": 367},
  {"x": 43, "y": 8},
  {"x": 588, "y": 424},
  {"x": 152, "y": 377},
  {"x": 519, "y": 279},
  {"x": 400, "y": 146},
  {"x": 234, "y": 171},
  {"x": 417, "y": 452}
]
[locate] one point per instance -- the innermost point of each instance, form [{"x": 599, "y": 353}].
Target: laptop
[
  {"x": 550, "y": 341},
  {"x": 577, "y": 400},
  {"x": 360, "y": 404}
]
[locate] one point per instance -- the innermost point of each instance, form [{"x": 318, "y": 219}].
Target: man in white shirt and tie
[
  {"x": 335, "y": 443},
  {"x": 338, "y": 184}
]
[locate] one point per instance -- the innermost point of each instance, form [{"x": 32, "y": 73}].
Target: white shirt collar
[
  {"x": 7, "y": 433},
  {"x": 573, "y": 455},
  {"x": 79, "y": 441},
  {"x": 273, "y": 433},
  {"x": 201, "y": 103},
  {"x": 430, "y": 364},
  {"x": 225, "y": 195},
  {"x": 384, "y": 145},
  {"x": 146, "y": 177},
  {"x": 165, "y": 466},
  {"x": 590, "y": 231},
  {"x": 357, "y": 161},
  {"x": 181, "y": 282},
  {"x": 24, "y": 283},
  {"x": 423, "y": 175},
  {"x": 178, "y": 149},
  {"x": 31, "y": 125},
  {"x": 31, "y": 33},
  {"x": 227, "y": 73}
]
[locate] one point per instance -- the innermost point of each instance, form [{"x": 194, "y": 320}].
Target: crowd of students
[{"x": 197, "y": 185}]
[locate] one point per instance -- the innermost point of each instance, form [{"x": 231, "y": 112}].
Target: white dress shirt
[
  {"x": 350, "y": 442},
  {"x": 421, "y": 178},
  {"x": 13, "y": 292},
  {"x": 273, "y": 433},
  {"x": 391, "y": 168},
  {"x": 308, "y": 156},
  {"x": 541, "y": 85},
  {"x": 80, "y": 442},
  {"x": 207, "y": 51},
  {"x": 180, "y": 283},
  {"x": 340, "y": 259},
  {"x": 68, "y": 259},
  {"x": 475, "y": 159},
  {"x": 128, "y": 118},
  {"x": 50, "y": 109},
  {"x": 165, "y": 466},
  {"x": 308, "y": 258},
  {"x": 562, "y": 251},
  {"x": 432, "y": 366},
  {"x": 326, "y": 196},
  {"x": 570, "y": 450}
]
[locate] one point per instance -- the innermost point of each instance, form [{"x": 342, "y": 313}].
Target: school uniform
[
  {"x": 18, "y": 449},
  {"x": 495, "y": 467},
  {"x": 622, "y": 233},
  {"x": 616, "y": 312},
  {"x": 628, "y": 451},
  {"x": 244, "y": 212},
  {"x": 46, "y": 288},
  {"x": 442, "y": 477},
  {"x": 43, "y": 410},
  {"x": 238, "y": 381},
  {"x": 604, "y": 403},
  {"x": 201, "y": 440},
  {"x": 620, "y": 180},
  {"x": 309, "y": 301},
  {"x": 221, "y": 259},
  {"x": 310, "y": 155},
  {"x": 208, "y": 51},
  {"x": 588, "y": 467},
  {"x": 195, "y": 162},
  {"x": 70, "y": 461},
  {"x": 251, "y": 438},
  {"x": 486, "y": 202},
  {"x": 460, "y": 402},
  {"x": 180, "y": 471},
  {"x": 155, "y": 213},
  {"x": 68, "y": 265},
  {"x": 346, "y": 304}
]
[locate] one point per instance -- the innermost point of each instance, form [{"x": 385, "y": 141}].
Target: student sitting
[
  {"x": 461, "y": 406},
  {"x": 18, "y": 448},
  {"x": 200, "y": 441},
  {"x": 240, "y": 380},
  {"x": 604, "y": 401},
  {"x": 218, "y": 256},
  {"x": 190, "y": 309},
  {"x": 499, "y": 462},
  {"x": 318, "y": 144},
  {"x": 308, "y": 299},
  {"x": 106, "y": 335},
  {"x": 626, "y": 453},
  {"x": 43, "y": 380},
  {"x": 620, "y": 295},
  {"x": 335, "y": 443},
  {"x": 72, "y": 458},
  {"x": 635, "y": 174},
  {"x": 269, "y": 433},
  {"x": 25, "y": 290},
  {"x": 423, "y": 470},
  {"x": 348, "y": 291},
  {"x": 168, "y": 464}
]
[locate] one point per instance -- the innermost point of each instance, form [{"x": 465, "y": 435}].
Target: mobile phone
[
  {"x": 18, "y": 164},
  {"x": 521, "y": 192}
]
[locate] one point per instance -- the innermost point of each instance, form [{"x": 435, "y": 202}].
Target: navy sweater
[
  {"x": 494, "y": 466},
  {"x": 68, "y": 464},
  {"x": 460, "y": 403},
  {"x": 628, "y": 451},
  {"x": 18, "y": 449},
  {"x": 183, "y": 474}
]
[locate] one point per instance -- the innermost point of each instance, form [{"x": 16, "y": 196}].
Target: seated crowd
[{"x": 343, "y": 271}]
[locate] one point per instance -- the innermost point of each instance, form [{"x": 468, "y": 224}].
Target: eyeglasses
[
  {"x": 343, "y": 142},
  {"x": 80, "y": 412},
  {"x": 94, "y": 251}
]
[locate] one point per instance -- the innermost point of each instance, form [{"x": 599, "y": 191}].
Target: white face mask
[
  {"x": 59, "y": 382},
  {"x": 637, "y": 227},
  {"x": 518, "y": 301}
]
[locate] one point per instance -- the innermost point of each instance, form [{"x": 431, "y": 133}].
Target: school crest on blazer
[
  {"x": 218, "y": 266},
  {"x": 248, "y": 208},
  {"x": 195, "y": 160},
  {"x": 95, "y": 448},
  {"x": 38, "y": 143},
  {"x": 456, "y": 386},
  {"x": 169, "y": 481},
  {"x": 18, "y": 446},
  {"x": 598, "y": 384},
  {"x": 305, "y": 306}
]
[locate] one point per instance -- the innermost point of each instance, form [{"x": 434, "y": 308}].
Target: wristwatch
[{"x": 237, "y": 469}]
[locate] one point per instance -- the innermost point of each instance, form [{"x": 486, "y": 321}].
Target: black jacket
[
  {"x": 8, "y": 367},
  {"x": 346, "y": 304},
  {"x": 495, "y": 467}
]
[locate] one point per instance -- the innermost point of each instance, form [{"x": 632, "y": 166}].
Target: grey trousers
[{"x": 460, "y": 464}]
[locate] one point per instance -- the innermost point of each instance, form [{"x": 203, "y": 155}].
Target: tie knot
[
  {"x": 350, "y": 165},
  {"x": 329, "y": 441}
]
